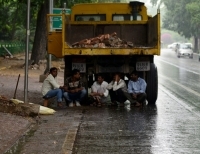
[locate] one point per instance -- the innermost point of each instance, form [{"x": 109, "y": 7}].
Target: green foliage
[
  {"x": 4, "y": 19},
  {"x": 194, "y": 11},
  {"x": 13, "y": 18},
  {"x": 182, "y": 16}
]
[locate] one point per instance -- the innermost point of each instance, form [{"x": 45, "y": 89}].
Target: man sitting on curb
[
  {"x": 51, "y": 88},
  {"x": 99, "y": 92},
  {"x": 117, "y": 87},
  {"x": 136, "y": 89},
  {"x": 73, "y": 89}
]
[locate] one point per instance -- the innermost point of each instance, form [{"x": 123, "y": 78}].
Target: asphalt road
[
  {"x": 169, "y": 127},
  {"x": 180, "y": 76}
]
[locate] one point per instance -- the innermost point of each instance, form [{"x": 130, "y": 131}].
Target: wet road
[
  {"x": 170, "y": 127},
  {"x": 180, "y": 76}
]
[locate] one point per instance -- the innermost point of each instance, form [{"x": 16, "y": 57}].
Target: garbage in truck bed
[{"x": 103, "y": 41}]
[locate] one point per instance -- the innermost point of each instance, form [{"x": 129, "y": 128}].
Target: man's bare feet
[{"x": 46, "y": 102}]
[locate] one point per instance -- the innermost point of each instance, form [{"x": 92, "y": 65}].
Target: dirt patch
[
  {"x": 15, "y": 66},
  {"x": 12, "y": 67}
]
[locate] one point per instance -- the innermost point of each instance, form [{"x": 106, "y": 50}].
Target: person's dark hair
[
  {"x": 135, "y": 73},
  {"x": 119, "y": 74},
  {"x": 75, "y": 71},
  {"x": 52, "y": 69},
  {"x": 101, "y": 75}
]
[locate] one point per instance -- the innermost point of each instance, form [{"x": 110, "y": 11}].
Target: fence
[{"x": 13, "y": 47}]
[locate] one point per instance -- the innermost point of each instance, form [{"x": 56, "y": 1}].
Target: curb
[
  {"x": 68, "y": 144},
  {"x": 70, "y": 138}
]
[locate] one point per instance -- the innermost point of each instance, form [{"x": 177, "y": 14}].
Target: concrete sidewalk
[
  {"x": 47, "y": 134},
  {"x": 12, "y": 130},
  {"x": 55, "y": 133}
]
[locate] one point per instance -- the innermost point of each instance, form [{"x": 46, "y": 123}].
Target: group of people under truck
[{"x": 73, "y": 91}]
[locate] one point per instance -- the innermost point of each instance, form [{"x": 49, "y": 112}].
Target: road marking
[
  {"x": 179, "y": 67},
  {"x": 185, "y": 105},
  {"x": 180, "y": 85}
]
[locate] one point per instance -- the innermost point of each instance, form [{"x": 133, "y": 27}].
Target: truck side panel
[
  {"x": 55, "y": 44},
  {"x": 153, "y": 31}
]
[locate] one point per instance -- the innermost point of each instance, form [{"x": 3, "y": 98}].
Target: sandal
[{"x": 60, "y": 105}]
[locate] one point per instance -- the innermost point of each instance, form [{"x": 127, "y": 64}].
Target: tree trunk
[
  {"x": 40, "y": 40},
  {"x": 196, "y": 44}
]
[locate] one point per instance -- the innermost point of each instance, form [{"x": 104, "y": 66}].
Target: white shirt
[
  {"x": 115, "y": 86},
  {"x": 101, "y": 88},
  {"x": 49, "y": 84}
]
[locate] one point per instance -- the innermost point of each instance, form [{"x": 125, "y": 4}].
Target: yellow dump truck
[{"x": 107, "y": 38}]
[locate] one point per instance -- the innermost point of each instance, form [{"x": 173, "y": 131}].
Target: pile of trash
[
  {"x": 6, "y": 102},
  {"x": 103, "y": 41},
  {"x": 18, "y": 107}
]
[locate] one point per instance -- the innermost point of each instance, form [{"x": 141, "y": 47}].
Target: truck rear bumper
[{"x": 110, "y": 51}]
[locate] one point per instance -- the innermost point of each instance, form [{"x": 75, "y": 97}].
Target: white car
[
  {"x": 189, "y": 45},
  {"x": 184, "y": 50},
  {"x": 173, "y": 46}
]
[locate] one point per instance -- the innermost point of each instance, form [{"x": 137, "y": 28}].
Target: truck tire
[{"x": 152, "y": 84}]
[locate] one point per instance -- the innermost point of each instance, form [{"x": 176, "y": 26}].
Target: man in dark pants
[
  {"x": 117, "y": 87},
  {"x": 136, "y": 89}
]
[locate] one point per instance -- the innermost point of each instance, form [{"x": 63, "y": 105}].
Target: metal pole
[
  {"x": 27, "y": 52},
  {"x": 50, "y": 12}
]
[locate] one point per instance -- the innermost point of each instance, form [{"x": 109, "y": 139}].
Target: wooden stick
[{"x": 16, "y": 87}]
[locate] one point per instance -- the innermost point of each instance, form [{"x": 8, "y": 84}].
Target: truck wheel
[{"x": 152, "y": 84}]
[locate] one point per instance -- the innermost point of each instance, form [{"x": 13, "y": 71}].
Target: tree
[
  {"x": 40, "y": 40},
  {"x": 182, "y": 16},
  {"x": 12, "y": 16},
  {"x": 193, "y": 9}
]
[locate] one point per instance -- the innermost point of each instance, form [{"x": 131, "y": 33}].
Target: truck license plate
[
  {"x": 143, "y": 66},
  {"x": 79, "y": 66}
]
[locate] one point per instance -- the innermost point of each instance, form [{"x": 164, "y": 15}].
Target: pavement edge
[
  {"x": 21, "y": 139},
  {"x": 68, "y": 144}
]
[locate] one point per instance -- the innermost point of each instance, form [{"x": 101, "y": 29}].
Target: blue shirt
[{"x": 138, "y": 86}]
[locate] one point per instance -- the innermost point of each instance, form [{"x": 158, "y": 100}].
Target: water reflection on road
[
  {"x": 171, "y": 126},
  {"x": 180, "y": 76}
]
